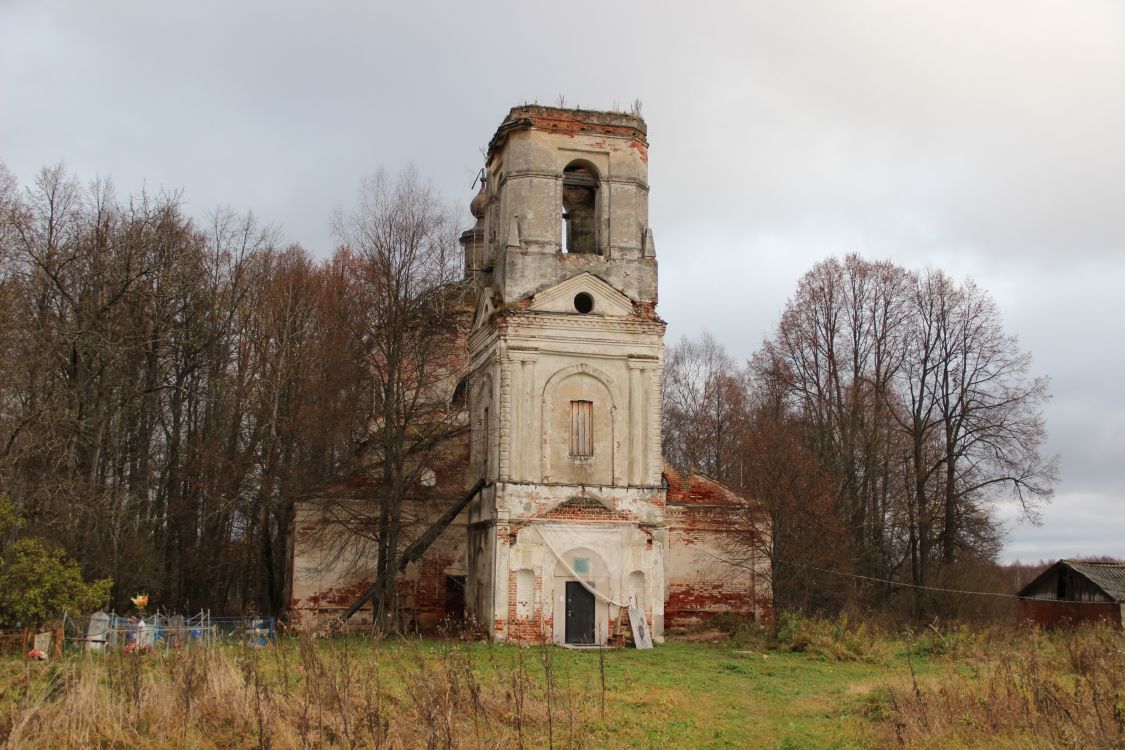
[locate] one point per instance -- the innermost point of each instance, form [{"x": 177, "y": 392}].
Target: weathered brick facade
[
  {"x": 330, "y": 564},
  {"x": 714, "y": 538},
  {"x": 579, "y": 516}
]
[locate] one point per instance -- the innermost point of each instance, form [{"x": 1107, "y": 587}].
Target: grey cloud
[
  {"x": 1075, "y": 525},
  {"x": 982, "y": 138}
]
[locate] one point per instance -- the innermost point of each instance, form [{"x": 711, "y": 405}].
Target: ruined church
[{"x": 579, "y": 516}]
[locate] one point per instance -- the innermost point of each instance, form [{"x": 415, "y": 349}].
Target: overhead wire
[{"x": 890, "y": 582}]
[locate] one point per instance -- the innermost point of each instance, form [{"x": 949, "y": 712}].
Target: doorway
[
  {"x": 579, "y": 613},
  {"x": 454, "y": 600}
]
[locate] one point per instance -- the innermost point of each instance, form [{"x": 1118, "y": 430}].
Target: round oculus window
[{"x": 583, "y": 302}]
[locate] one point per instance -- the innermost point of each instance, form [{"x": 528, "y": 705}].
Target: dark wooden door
[
  {"x": 455, "y": 598},
  {"x": 579, "y": 613}
]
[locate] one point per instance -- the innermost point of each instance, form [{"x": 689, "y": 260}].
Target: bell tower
[{"x": 566, "y": 354}]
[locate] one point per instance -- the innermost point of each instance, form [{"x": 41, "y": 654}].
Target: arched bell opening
[{"x": 580, "y": 182}]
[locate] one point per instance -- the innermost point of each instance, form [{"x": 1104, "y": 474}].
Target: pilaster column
[
  {"x": 504, "y": 461},
  {"x": 637, "y": 423},
  {"x": 524, "y": 421},
  {"x": 652, "y": 388}
]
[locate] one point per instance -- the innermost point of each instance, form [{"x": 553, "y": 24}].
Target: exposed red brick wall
[
  {"x": 528, "y": 629},
  {"x": 573, "y": 122},
  {"x": 713, "y": 528},
  {"x": 586, "y": 509},
  {"x": 339, "y": 597},
  {"x": 1052, "y": 613}
]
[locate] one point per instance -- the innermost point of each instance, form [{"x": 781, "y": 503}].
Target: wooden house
[{"x": 1070, "y": 592}]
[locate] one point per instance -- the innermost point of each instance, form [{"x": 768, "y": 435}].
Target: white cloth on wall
[{"x": 597, "y": 594}]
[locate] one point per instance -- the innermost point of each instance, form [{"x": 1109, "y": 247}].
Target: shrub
[
  {"x": 838, "y": 640},
  {"x": 37, "y": 582},
  {"x": 727, "y": 622}
]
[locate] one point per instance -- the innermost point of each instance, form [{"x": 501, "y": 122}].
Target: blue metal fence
[{"x": 109, "y": 631}]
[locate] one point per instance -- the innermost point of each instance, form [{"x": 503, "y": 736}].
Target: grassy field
[{"x": 820, "y": 685}]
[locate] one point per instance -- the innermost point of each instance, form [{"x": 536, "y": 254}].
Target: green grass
[
  {"x": 676, "y": 695},
  {"x": 717, "y": 696},
  {"x": 842, "y": 690}
]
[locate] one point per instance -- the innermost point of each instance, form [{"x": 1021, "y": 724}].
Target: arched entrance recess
[{"x": 580, "y": 617}]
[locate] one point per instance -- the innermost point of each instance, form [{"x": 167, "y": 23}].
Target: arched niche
[
  {"x": 581, "y": 392},
  {"x": 635, "y": 589},
  {"x": 484, "y": 419},
  {"x": 580, "y": 211},
  {"x": 525, "y": 593},
  {"x": 588, "y": 564}
]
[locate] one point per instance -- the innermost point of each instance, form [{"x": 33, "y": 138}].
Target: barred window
[{"x": 581, "y": 428}]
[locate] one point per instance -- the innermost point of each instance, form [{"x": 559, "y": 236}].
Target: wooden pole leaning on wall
[{"x": 416, "y": 549}]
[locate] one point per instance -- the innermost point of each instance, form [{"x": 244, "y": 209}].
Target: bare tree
[
  {"x": 704, "y": 408},
  {"x": 783, "y": 479},
  {"x": 918, "y": 404},
  {"x": 123, "y": 406},
  {"x": 168, "y": 390},
  {"x": 976, "y": 424},
  {"x": 410, "y": 304},
  {"x": 835, "y": 354}
]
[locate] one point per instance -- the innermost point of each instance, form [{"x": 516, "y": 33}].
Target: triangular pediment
[
  {"x": 587, "y": 507},
  {"x": 484, "y": 310},
  {"x": 607, "y": 301}
]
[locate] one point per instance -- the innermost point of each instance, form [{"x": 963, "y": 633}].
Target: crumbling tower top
[
  {"x": 571, "y": 122},
  {"x": 565, "y": 191}
]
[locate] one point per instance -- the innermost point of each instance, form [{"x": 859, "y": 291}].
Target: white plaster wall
[
  {"x": 538, "y": 353},
  {"x": 524, "y": 207},
  {"x": 330, "y": 567},
  {"x": 619, "y": 364},
  {"x": 619, "y": 549}
]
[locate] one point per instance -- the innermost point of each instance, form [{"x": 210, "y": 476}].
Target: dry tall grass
[
  {"x": 300, "y": 694},
  {"x": 995, "y": 689},
  {"x": 1025, "y": 689}
]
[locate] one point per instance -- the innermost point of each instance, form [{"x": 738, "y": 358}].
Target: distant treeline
[{"x": 169, "y": 387}]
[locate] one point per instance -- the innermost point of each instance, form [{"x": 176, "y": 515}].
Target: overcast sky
[{"x": 986, "y": 139}]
